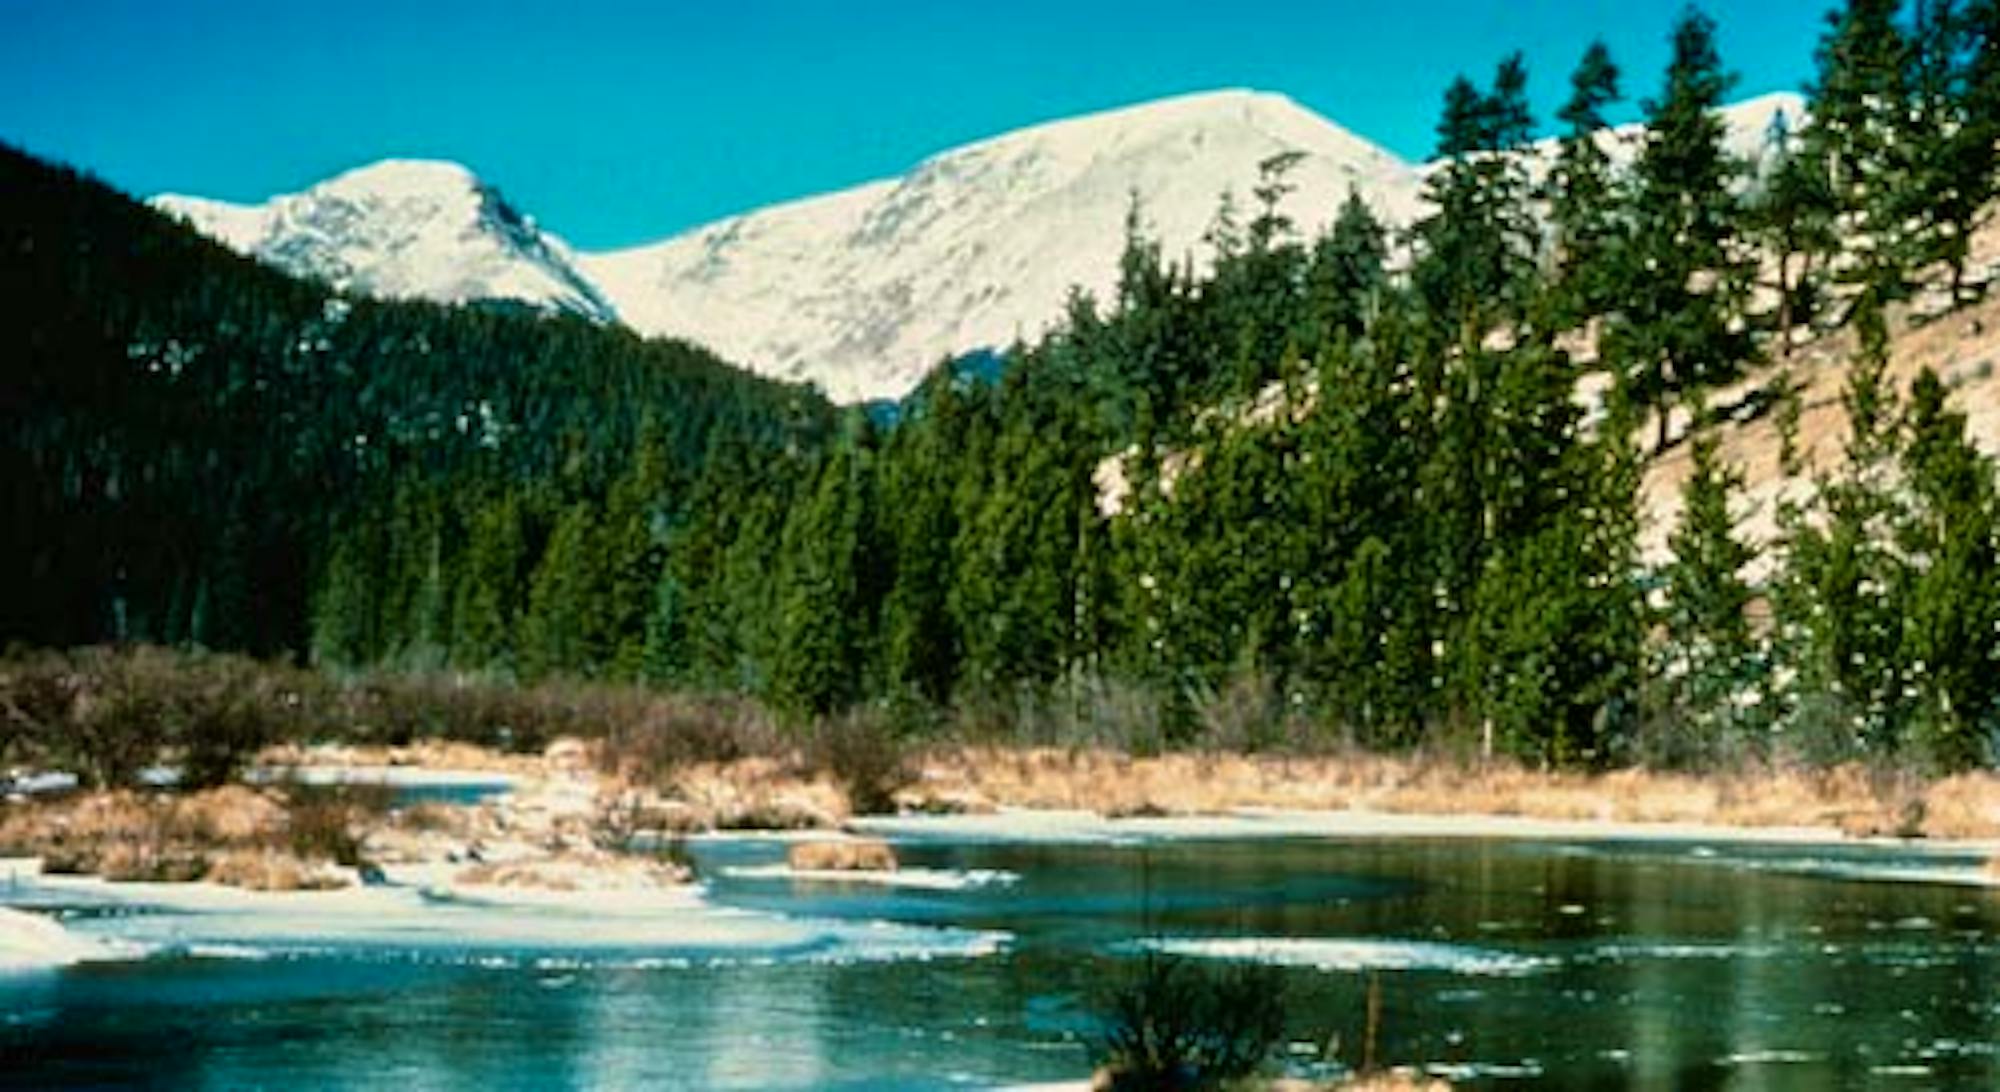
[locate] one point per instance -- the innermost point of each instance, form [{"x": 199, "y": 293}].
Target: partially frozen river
[{"x": 1551, "y": 963}]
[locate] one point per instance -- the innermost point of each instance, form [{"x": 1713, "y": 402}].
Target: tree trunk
[{"x": 1785, "y": 306}]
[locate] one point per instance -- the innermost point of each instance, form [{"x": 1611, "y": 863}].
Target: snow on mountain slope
[
  {"x": 403, "y": 228},
  {"x": 1746, "y": 126},
  {"x": 865, "y": 290}
]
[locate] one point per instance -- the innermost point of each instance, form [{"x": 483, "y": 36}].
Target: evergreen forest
[{"x": 1367, "y": 487}]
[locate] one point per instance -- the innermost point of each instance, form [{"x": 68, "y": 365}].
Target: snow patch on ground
[
  {"x": 919, "y": 879},
  {"x": 37, "y": 942},
  {"x": 1326, "y": 954},
  {"x": 423, "y": 913}
]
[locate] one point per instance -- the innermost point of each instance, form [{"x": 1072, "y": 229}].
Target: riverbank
[
  {"x": 581, "y": 817},
  {"x": 1357, "y": 791}
]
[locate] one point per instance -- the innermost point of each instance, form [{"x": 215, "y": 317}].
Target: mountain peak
[
  {"x": 865, "y": 290},
  {"x": 403, "y": 178},
  {"x": 408, "y": 228}
]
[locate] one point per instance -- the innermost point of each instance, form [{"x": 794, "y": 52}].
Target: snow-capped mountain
[
  {"x": 865, "y": 290},
  {"x": 1748, "y": 131},
  {"x": 862, "y": 291},
  {"x": 404, "y": 228}
]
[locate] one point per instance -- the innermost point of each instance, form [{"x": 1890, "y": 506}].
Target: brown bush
[
  {"x": 325, "y": 822},
  {"x": 107, "y": 713},
  {"x": 865, "y": 757},
  {"x": 130, "y": 863},
  {"x": 272, "y": 870},
  {"x": 648, "y": 740},
  {"x": 845, "y": 855}
]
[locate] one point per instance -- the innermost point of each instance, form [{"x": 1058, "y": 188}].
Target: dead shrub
[
  {"x": 325, "y": 822},
  {"x": 271, "y": 870},
  {"x": 151, "y": 863},
  {"x": 845, "y": 855},
  {"x": 651, "y": 739},
  {"x": 865, "y": 758}
]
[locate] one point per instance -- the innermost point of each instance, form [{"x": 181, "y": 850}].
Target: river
[{"x": 1500, "y": 963}]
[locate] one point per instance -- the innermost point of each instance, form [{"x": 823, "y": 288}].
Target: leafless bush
[
  {"x": 865, "y": 756},
  {"x": 326, "y": 822},
  {"x": 654, "y": 735}
]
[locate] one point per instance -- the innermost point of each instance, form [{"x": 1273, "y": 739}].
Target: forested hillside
[
  {"x": 183, "y": 429},
  {"x": 1359, "y": 497}
]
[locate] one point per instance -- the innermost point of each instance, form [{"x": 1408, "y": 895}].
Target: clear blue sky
[{"x": 620, "y": 122}]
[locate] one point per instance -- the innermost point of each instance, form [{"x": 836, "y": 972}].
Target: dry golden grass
[
  {"x": 272, "y": 870},
  {"x": 150, "y": 863},
  {"x": 235, "y": 835},
  {"x": 759, "y": 794},
  {"x": 1393, "y": 1081},
  {"x": 845, "y": 855},
  {"x": 1965, "y": 806},
  {"x": 581, "y": 871},
  {"x": 427, "y": 754},
  {"x": 1850, "y": 798}
]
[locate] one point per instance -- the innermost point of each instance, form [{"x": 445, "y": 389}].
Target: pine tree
[
  {"x": 1707, "y": 661},
  {"x": 1860, "y": 102},
  {"x": 566, "y": 629},
  {"x": 635, "y": 531},
  {"x": 492, "y": 587},
  {"x": 828, "y": 593},
  {"x": 1585, "y": 205},
  {"x": 1951, "y": 538},
  {"x": 1360, "y": 590},
  {"x": 1687, "y": 283},
  {"x": 1968, "y": 162},
  {"x": 1791, "y": 217},
  {"x": 1476, "y": 251},
  {"x": 1839, "y": 606},
  {"x": 920, "y": 646},
  {"x": 1549, "y": 651},
  {"x": 346, "y": 615},
  {"x": 1348, "y": 275}
]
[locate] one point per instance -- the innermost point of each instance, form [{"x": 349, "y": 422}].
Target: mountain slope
[
  {"x": 865, "y": 290},
  {"x": 404, "y": 229},
  {"x": 182, "y": 428}
]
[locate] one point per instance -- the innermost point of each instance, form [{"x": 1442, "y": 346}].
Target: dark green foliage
[
  {"x": 1950, "y": 537},
  {"x": 198, "y": 449},
  {"x": 1839, "y": 606},
  {"x": 1859, "y": 139},
  {"x": 1475, "y": 263},
  {"x": 1587, "y": 211},
  {"x": 1176, "y": 1026},
  {"x": 828, "y": 588},
  {"x": 1348, "y": 278},
  {"x": 1903, "y": 135},
  {"x": 1303, "y": 494},
  {"x": 1707, "y": 664},
  {"x": 1963, "y": 45},
  {"x": 1687, "y": 277},
  {"x": 1792, "y": 217}
]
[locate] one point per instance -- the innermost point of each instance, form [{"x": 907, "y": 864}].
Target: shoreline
[
  {"x": 1031, "y": 825},
  {"x": 570, "y": 825}
]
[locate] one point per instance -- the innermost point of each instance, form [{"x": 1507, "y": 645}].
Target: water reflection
[{"x": 1667, "y": 967}]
